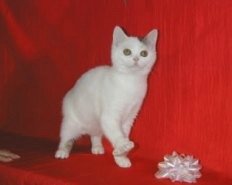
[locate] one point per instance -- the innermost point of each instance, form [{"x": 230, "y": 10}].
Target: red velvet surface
[{"x": 46, "y": 45}]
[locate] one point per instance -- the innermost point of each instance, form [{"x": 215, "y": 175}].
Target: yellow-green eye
[
  {"x": 143, "y": 53},
  {"x": 127, "y": 52}
]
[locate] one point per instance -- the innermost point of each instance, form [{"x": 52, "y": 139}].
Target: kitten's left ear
[{"x": 151, "y": 38}]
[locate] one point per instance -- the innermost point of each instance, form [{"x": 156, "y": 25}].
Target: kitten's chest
[
  {"x": 131, "y": 87},
  {"x": 131, "y": 97}
]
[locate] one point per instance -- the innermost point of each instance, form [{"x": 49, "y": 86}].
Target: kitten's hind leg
[
  {"x": 68, "y": 135},
  {"x": 97, "y": 147},
  {"x": 64, "y": 148}
]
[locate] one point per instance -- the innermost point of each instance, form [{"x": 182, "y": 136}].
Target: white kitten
[{"x": 106, "y": 99}]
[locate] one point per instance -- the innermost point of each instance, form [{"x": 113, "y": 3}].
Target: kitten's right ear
[{"x": 118, "y": 35}]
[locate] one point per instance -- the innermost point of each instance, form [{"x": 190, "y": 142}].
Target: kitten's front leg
[
  {"x": 97, "y": 147},
  {"x": 122, "y": 161},
  {"x": 128, "y": 122},
  {"x": 113, "y": 131},
  {"x": 123, "y": 146}
]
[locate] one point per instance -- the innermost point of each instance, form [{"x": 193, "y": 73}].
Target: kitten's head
[{"x": 131, "y": 54}]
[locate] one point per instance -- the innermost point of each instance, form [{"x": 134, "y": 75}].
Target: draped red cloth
[{"x": 45, "y": 46}]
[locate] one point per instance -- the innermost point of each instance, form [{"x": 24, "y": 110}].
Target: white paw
[
  {"x": 123, "y": 147},
  {"x": 62, "y": 154},
  {"x": 123, "y": 162},
  {"x": 97, "y": 150}
]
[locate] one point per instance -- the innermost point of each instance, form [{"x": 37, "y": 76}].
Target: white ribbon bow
[{"x": 179, "y": 168}]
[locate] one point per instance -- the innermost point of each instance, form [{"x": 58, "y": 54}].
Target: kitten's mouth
[
  {"x": 136, "y": 63},
  {"x": 136, "y": 66}
]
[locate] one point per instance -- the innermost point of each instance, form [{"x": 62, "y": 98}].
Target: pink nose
[{"x": 136, "y": 59}]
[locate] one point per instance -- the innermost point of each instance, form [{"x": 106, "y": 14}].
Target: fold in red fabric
[{"x": 45, "y": 46}]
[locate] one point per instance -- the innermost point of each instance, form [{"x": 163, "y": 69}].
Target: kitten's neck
[
  {"x": 130, "y": 74},
  {"x": 138, "y": 73}
]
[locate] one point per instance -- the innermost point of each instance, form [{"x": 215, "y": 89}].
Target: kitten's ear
[
  {"x": 118, "y": 35},
  {"x": 151, "y": 38}
]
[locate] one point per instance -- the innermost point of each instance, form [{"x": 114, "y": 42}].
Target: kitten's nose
[{"x": 136, "y": 59}]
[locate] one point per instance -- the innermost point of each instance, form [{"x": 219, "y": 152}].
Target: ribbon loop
[{"x": 183, "y": 168}]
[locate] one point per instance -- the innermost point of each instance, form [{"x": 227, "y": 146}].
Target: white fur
[{"x": 106, "y": 99}]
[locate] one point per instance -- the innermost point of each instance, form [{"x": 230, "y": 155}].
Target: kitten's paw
[
  {"x": 123, "y": 161},
  {"x": 123, "y": 147},
  {"x": 62, "y": 154},
  {"x": 97, "y": 150}
]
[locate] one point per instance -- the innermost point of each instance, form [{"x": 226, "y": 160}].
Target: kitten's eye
[
  {"x": 143, "y": 53},
  {"x": 127, "y": 52}
]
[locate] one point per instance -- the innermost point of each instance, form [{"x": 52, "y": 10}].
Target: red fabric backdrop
[{"x": 46, "y": 45}]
